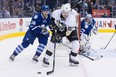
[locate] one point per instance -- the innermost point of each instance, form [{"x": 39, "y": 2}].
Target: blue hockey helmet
[{"x": 45, "y": 8}]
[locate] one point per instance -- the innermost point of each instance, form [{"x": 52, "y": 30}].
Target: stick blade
[
  {"x": 50, "y": 72},
  {"x": 38, "y": 72},
  {"x": 102, "y": 48}
]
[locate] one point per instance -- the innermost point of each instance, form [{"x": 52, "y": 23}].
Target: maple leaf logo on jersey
[{"x": 35, "y": 17}]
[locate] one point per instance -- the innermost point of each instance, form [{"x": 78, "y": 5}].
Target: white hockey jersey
[{"x": 70, "y": 20}]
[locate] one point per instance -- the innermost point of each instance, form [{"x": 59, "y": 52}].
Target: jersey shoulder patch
[{"x": 35, "y": 16}]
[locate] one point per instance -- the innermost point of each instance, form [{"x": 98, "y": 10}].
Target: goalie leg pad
[{"x": 85, "y": 42}]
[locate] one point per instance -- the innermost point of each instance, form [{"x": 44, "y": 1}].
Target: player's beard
[{"x": 45, "y": 15}]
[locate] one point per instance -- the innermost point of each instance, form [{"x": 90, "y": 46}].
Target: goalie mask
[{"x": 88, "y": 17}]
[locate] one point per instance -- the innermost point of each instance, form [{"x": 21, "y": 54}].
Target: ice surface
[{"x": 24, "y": 67}]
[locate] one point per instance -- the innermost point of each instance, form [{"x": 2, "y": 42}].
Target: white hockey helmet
[{"x": 66, "y": 7}]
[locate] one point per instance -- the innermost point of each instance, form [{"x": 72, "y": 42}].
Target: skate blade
[
  {"x": 35, "y": 62},
  {"x": 75, "y": 65},
  {"x": 45, "y": 65},
  {"x": 11, "y": 60}
]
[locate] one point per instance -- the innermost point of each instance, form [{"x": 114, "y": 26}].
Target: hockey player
[
  {"x": 37, "y": 29},
  {"x": 64, "y": 22},
  {"x": 88, "y": 30}
]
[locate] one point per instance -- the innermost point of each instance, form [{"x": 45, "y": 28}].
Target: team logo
[
  {"x": 86, "y": 26},
  {"x": 44, "y": 21}
]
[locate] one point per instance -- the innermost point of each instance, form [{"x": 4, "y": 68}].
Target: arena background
[{"x": 15, "y": 15}]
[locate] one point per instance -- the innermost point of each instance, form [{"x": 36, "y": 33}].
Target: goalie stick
[
  {"x": 110, "y": 38},
  {"x": 96, "y": 52},
  {"x": 83, "y": 54},
  {"x": 109, "y": 41}
]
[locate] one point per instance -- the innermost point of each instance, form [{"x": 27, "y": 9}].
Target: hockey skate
[
  {"x": 12, "y": 57},
  {"x": 73, "y": 61},
  {"x": 45, "y": 62},
  {"x": 35, "y": 58}
]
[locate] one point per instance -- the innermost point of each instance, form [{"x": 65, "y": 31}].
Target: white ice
[{"x": 24, "y": 67}]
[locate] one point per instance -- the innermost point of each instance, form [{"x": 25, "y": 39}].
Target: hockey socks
[
  {"x": 46, "y": 58},
  {"x": 39, "y": 50},
  {"x": 17, "y": 50}
]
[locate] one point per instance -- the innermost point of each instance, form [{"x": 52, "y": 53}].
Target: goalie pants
[{"x": 73, "y": 40}]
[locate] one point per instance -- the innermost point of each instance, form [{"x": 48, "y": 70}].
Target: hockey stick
[
  {"x": 109, "y": 41},
  {"x": 96, "y": 52},
  {"x": 87, "y": 57},
  {"x": 53, "y": 67},
  {"x": 66, "y": 45},
  {"x": 78, "y": 53},
  {"x": 110, "y": 38},
  {"x": 50, "y": 72}
]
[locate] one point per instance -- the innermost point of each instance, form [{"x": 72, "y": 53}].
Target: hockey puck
[
  {"x": 39, "y": 72},
  {"x": 101, "y": 55}
]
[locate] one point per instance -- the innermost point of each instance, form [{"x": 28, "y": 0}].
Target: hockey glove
[
  {"x": 94, "y": 30},
  {"x": 56, "y": 38},
  {"x": 44, "y": 31}
]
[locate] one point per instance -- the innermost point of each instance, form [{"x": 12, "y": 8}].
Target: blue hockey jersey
[
  {"x": 37, "y": 21},
  {"x": 87, "y": 27}
]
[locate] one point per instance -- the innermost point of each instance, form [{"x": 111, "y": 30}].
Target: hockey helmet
[
  {"x": 66, "y": 7},
  {"x": 45, "y": 8},
  {"x": 89, "y": 16}
]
